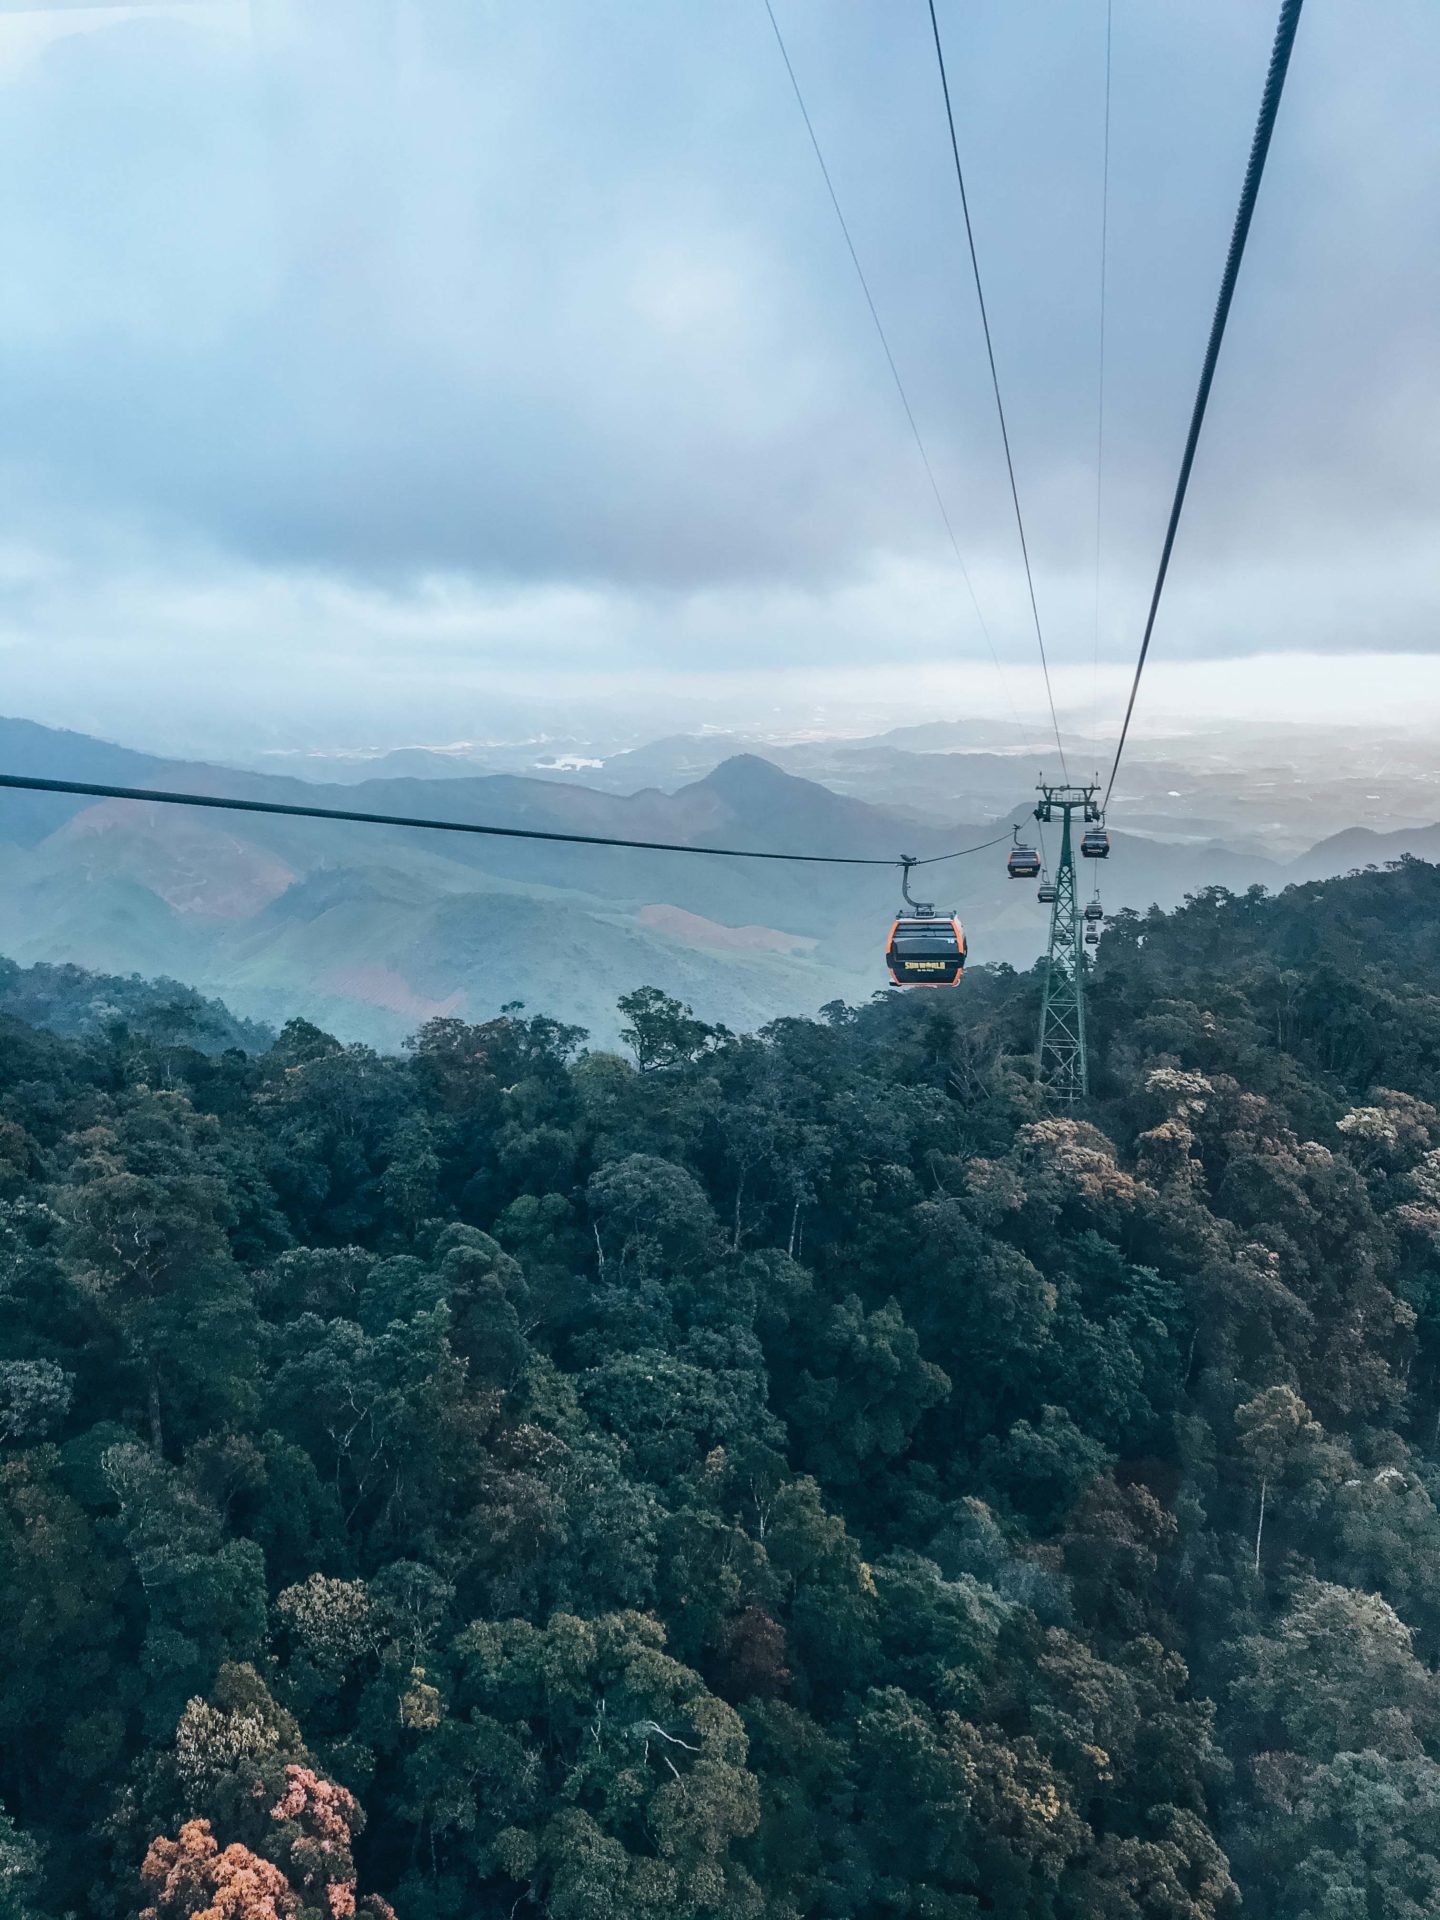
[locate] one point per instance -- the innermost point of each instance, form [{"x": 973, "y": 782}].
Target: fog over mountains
[
  {"x": 1270, "y": 787},
  {"x": 372, "y": 930}
]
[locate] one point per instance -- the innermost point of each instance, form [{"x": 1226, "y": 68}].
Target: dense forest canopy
[{"x": 791, "y": 1474}]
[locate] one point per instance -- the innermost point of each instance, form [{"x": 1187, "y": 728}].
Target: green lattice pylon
[{"x": 1061, "y": 1066}]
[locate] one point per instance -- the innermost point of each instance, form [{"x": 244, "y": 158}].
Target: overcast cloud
[{"x": 359, "y": 356}]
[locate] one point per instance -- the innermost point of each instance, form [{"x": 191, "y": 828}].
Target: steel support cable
[
  {"x": 1100, "y": 381},
  {"x": 916, "y": 435},
  {"x": 995, "y": 383},
  {"x": 93, "y": 790},
  {"x": 1249, "y": 192},
  {"x": 934, "y": 859}
]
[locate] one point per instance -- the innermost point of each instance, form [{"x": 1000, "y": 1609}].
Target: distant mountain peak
[{"x": 752, "y": 773}]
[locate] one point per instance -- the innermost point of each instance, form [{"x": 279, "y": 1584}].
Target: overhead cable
[
  {"x": 860, "y": 275},
  {"x": 285, "y": 809},
  {"x": 934, "y": 859},
  {"x": 1100, "y": 378},
  {"x": 1249, "y": 192},
  {"x": 995, "y": 383}
]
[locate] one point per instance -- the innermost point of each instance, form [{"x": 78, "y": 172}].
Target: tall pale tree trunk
[{"x": 157, "y": 1432}]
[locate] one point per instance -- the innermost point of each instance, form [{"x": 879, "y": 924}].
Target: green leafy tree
[
  {"x": 1281, "y": 1440},
  {"x": 662, "y": 1032},
  {"x": 637, "y": 1789},
  {"x": 1339, "y": 1673},
  {"x": 19, "y": 1872},
  {"x": 204, "y": 1595}
]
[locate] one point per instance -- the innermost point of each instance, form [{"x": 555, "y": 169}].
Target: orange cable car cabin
[
  {"x": 926, "y": 951},
  {"x": 1023, "y": 863}
]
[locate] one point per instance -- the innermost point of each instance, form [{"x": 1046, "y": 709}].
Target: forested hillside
[
  {"x": 73, "y": 1001},
  {"x": 789, "y": 1476}
]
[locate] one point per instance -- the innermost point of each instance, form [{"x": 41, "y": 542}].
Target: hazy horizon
[{"x": 1392, "y": 695}]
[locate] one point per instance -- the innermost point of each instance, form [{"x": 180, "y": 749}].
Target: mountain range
[
  {"x": 373, "y": 930},
  {"x": 1268, "y": 787}
]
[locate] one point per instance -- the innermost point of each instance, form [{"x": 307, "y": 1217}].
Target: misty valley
[{"x": 372, "y": 931}]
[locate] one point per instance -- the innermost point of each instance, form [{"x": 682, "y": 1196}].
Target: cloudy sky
[{"x": 393, "y": 369}]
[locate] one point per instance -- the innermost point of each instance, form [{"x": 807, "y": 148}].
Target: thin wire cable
[
  {"x": 1249, "y": 192},
  {"x": 935, "y": 859},
  {"x": 95, "y": 791},
  {"x": 1100, "y": 382},
  {"x": 890, "y": 358},
  {"x": 995, "y": 383}
]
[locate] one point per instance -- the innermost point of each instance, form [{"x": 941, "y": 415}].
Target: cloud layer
[{"x": 484, "y": 338}]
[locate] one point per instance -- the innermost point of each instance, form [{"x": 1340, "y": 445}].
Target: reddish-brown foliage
[
  {"x": 191, "y": 1879},
  {"x": 755, "y": 1656},
  {"x": 326, "y": 1816}
]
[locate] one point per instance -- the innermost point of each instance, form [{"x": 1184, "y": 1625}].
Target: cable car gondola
[
  {"x": 1047, "y": 892},
  {"x": 926, "y": 951},
  {"x": 1092, "y": 936},
  {"x": 1094, "y": 911},
  {"x": 1095, "y": 844},
  {"x": 1024, "y": 862}
]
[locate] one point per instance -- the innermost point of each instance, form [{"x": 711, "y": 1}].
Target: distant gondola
[
  {"x": 1092, "y": 936},
  {"x": 1024, "y": 862},
  {"x": 1095, "y": 844},
  {"x": 926, "y": 951},
  {"x": 1094, "y": 910},
  {"x": 1047, "y": 892}
]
